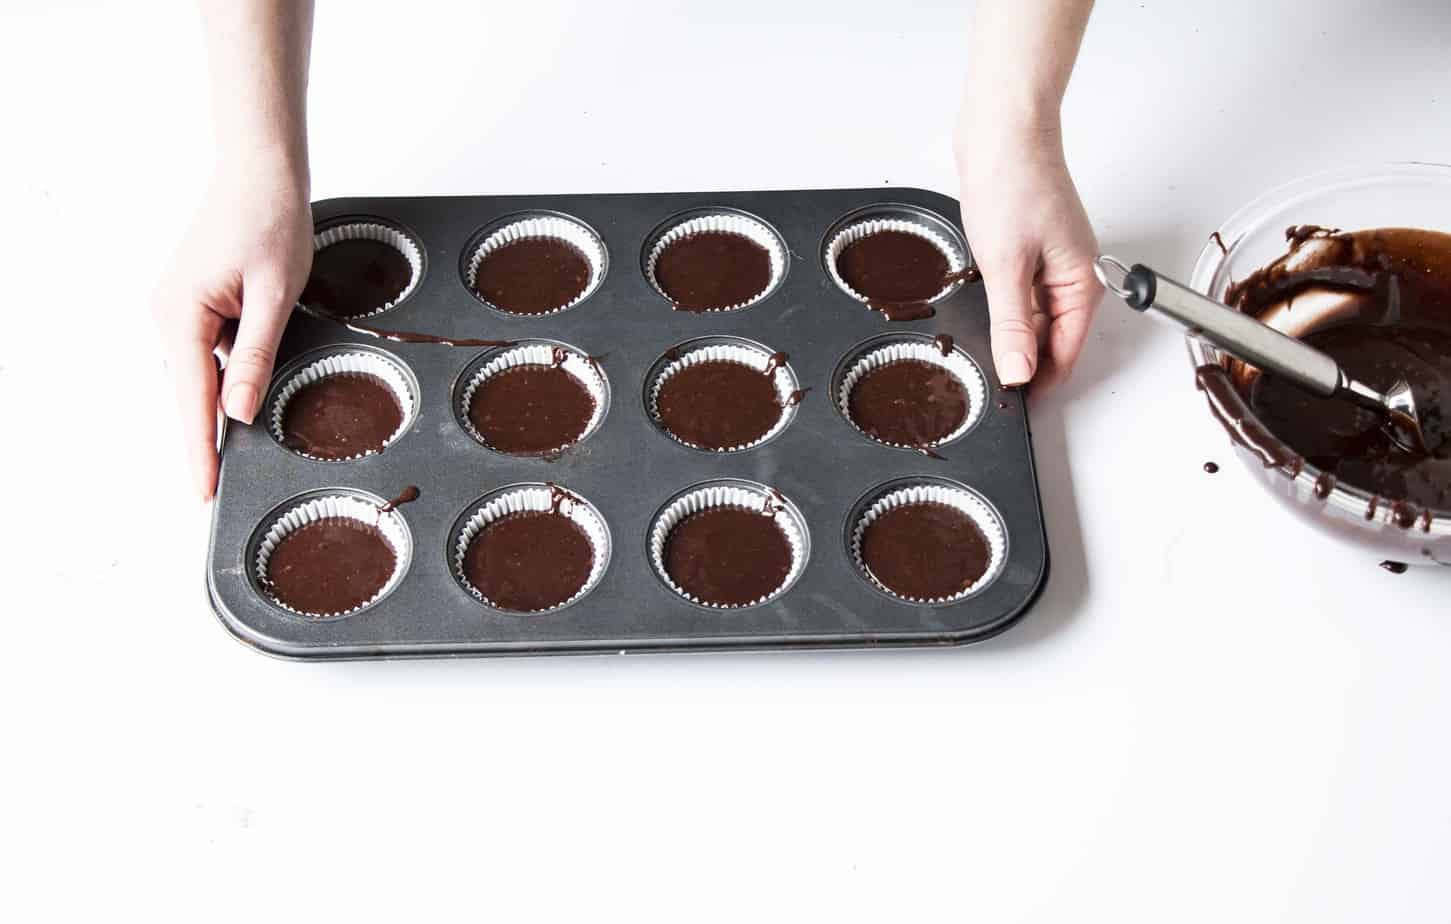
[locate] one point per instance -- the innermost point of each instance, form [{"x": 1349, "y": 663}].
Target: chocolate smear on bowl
[{"x": 1383, "y": 302}]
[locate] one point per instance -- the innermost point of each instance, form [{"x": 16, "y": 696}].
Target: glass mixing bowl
[{"x": 1410, "y": 195}]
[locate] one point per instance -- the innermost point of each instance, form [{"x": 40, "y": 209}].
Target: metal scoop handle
[{"x": 1258, "y": 344}]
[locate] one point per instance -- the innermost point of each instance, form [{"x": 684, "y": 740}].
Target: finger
[
  {"x": 1073, "y": 308},
  {"x": 194, "y": 376},
  {"x": 265, "y": 307},
  {"x": 1009, "y": 294}
]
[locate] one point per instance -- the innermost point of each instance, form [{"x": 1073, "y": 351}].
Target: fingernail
[
  {"x": 1014, "y": 368},
  {"x": 241, "y": 403}
]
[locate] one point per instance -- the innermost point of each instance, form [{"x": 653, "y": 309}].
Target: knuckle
[
  {"x": 251, "y": 358},
  {"x": 1013, "y": 326}
]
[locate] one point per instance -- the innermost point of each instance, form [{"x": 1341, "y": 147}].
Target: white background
[{"x": 1211, "y": 715}]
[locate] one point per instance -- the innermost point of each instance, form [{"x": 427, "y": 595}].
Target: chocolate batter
[
  {"x": 529, "y": 561},
  {"x": 330, "y": 566},
  {"x": 531, "y": 409},
  {"x": 896, "y": 271},
  {"x": 533, "y": 275},
  {"x": 925, "y": 551},
  {"x": 1211, "y": 468},
  {"x": 408, "y": 336},
  {"x": 356, "y": 277},
  {"x": 1393, "y": 321},
  {"x": 728, "y": 556},
  {"x": 712, "y": 270},
  {"x": 407, "y": 496},
  {"x": 908, "y": 403},
  {"x": 341, "y": 416},
  {"x": 718, "y": 404}
]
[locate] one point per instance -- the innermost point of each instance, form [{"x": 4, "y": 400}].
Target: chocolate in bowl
[{"x": 1376, "y": 299}]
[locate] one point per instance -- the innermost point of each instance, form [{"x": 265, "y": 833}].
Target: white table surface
[{"x": 1212, "y": 714}]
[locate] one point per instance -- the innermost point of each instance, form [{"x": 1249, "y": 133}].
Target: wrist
[
  {"x": 279, "y": 165},
  {"x": 1016, "y": 129}
]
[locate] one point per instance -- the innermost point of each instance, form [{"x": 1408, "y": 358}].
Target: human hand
[
  {"x": 1032, "y": 243},
  {"x": 228, "y": 292}
]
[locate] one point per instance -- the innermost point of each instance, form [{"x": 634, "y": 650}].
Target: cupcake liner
[
  {"x": 543, "y": 226},
  {"x": 962, "y": 500},
  {"x": 390, "y": 523},
  {"x": 726, "y": 496},
  {"x": 723, "y": 221},
  {"x": 373, "y": 231},
  {"x": 955, "y": 362},
  {"x": 956, "y": 261},
  {"x": 535, "y": 498},
  {"x": 541, "y": 354},
  {"x": 362, "y": 363},
  {"x": 753, "y": 357}
]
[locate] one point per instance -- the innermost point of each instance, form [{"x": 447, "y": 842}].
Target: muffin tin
[{"x": 629, "y": 471}]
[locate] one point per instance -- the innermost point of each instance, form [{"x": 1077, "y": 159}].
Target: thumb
[
  {"x": 265, "y": 309},
  {"x": 1009, "y": 286}
]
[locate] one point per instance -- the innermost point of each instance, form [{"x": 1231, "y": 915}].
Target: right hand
[
  {"x": 228, "y": 294},
  {"x": 1032, "y": 241}
]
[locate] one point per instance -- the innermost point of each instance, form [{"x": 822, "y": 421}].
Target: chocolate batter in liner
[
  {"x": 736, "y": 560},
  {"x": 564, "y": 417},
  {"x": 740, "y": 262},
  {"x": 935, "y": 426},
  {"x": 929, "y": 543},
  {"x": 541, "y": 546},
  {"x": 342, "y": 553},
  {"x": 760, "y": 406},
  {"x": 896, "y": 266},
  {"x": 360, "y": 269},
  {"x": 349, "y": 405},
  {"x": 536, "y": 265}
]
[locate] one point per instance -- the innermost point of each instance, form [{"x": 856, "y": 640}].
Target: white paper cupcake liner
[
  {"x": 747, "y": 356},
  {"x": 543, "y": 226},
  {"x": 726, "y": 496},
  {"x": 389, "y": 523},
  {"x": 956, "y": 261},
  {"x": 373, "y": 231},
  {"x": 337, "y": 364},
  {"x": 965, "y": 501},
  {"x": 729, "y": 222},
  {"x": 539, "y": 354},
  {"x": 536, "y": 499},
  {"x": 960, "y": 367}
]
